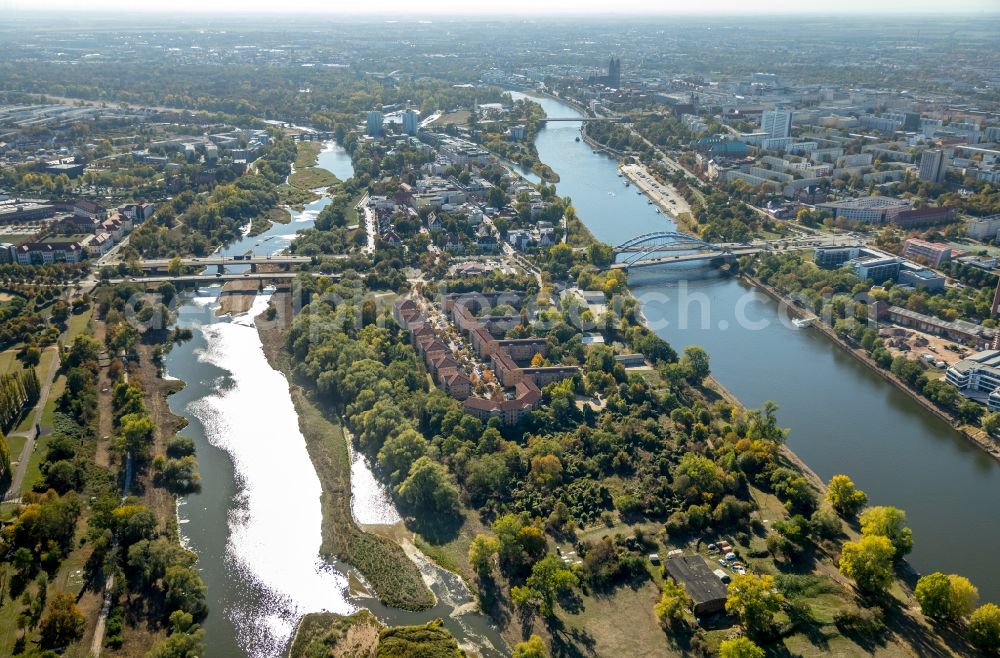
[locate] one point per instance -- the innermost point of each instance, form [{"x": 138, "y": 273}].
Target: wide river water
[
  {"x": 843, "y": 417},
  {"x": 256, "y": 523}
]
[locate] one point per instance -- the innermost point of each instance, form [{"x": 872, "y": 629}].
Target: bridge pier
[{"x": 220, "y": 268}]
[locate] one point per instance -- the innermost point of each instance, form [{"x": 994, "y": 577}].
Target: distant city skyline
[{"x": 512, "y": 8}]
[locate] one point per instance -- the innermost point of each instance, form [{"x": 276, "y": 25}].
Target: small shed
[{"x": 707, "y": 592}]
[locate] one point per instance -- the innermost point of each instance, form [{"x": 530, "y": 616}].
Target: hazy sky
[{"x": 514, "y": 8}]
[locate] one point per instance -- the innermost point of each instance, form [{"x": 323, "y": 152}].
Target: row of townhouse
[
  {"x": 503, "y": 355},
  {"x": 435, "y": 350},
  {"x": 103, "y": 231}
]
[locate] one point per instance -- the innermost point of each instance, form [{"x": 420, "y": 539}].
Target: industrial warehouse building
[{"x": 707, "y": 592}]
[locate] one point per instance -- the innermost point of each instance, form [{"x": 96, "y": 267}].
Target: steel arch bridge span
[{"x": 644, "y": 246}]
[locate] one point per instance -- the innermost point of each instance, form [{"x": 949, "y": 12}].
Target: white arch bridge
[{"x": 671, "y": 247}]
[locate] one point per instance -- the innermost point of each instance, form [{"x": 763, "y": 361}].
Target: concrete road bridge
[
  {"x": 581, "y": 119},
  {"x": 283, "y": 262}
]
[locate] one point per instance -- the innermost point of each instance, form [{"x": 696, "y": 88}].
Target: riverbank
[
  {"x": 264, "y": 222},
  {"x": 383, "y": 563},
  {"x": 814, "y": 479},
  {"x": 384, "y": 559},
  {"x": 976, "y": 437},
  {"x": 679, "y": 211},
  {"x": 597, "y": 146},
  {"x": 305, "y": 174},
  {"x": 572, "y": 103}
]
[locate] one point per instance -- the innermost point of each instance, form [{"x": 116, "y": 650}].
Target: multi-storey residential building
[
  {"x": 776, "y": 123},
  {"x": 835, "y": 256},
  {"x": 45, "y": 253},
  {"x": 932, "y": 166},
  {"x": 877, "y": 268},
  {"x": 411, "y": 122},
  {"x": 926, "y": 216},
  {"x": 983, "y": 228},
  {"x": 373, "y": 123}
]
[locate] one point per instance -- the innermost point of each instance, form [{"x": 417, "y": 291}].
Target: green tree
[
  {"x": 869, "y": 562},
  {"x": 63, "y": 624},
  {"x": 845, "y": 497},
  {"x": 549, "y": 579},
  {"x": 175, "y": 267},
  {"x": 481, "y": 553},
  {"x": 132, "y": 523},
  {"x": 560, "y": 260},
  {"x": 400, "y": 451},
  {"x": 135, "y": 435},
  {"x": 190, "y": 644},
  {"x": 740, "y": 647},
  {"x": 888, "y": 522},
  {"x": 695, "y": 363},
  {"x": 533, "y": 647},
  {"x": 673, "y": 604},
  {"x": 946, "y": 597},
  {"x": 984, "y": 628},
  {"x": 148, "y": 560},
  {"x": 520, "y": 542},
  {"x": 600, "y": 254},
  {"x": 991, "y": 423},
  {"x": 428, "y": 487},
  {"x": 698, "y": 478},
  {"x": 825, "y": 523},
  {"x": 185, "y": 591},
  {"x": 756, "y": 601}
]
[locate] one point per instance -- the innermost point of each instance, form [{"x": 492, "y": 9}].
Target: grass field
[
  {"x": 352, "y": 214},
  {"x": 264, "y": 222},
  {"x": 67, "y": 239},
  {"x": 41, "y": 370},
  {"x": 307, "y": 176},
  {"x": 8, "y": 361},
  {"x": 17, "y": 239},
  {"x": 77, "y": 325},
  {"x": 15, "y": 444},
  {"x": 279, "y": 215},
  {"x": 598, "y": 627},
  {"x": 307, "y": 154},
  {"x": 294, "y": 197},
  {"x": 312, "y": 178},
  {"x": 453, "y": 555},
  {"x": 460, "y": 117}
]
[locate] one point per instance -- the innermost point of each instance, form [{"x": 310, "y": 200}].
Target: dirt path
[
  {"x": 102, "y": 620},
  {"x": 104, "y": 424},
  {"x": 14, "y": 492}
]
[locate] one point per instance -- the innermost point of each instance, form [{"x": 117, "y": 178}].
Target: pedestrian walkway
[{"x": 31, "y": 435}]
